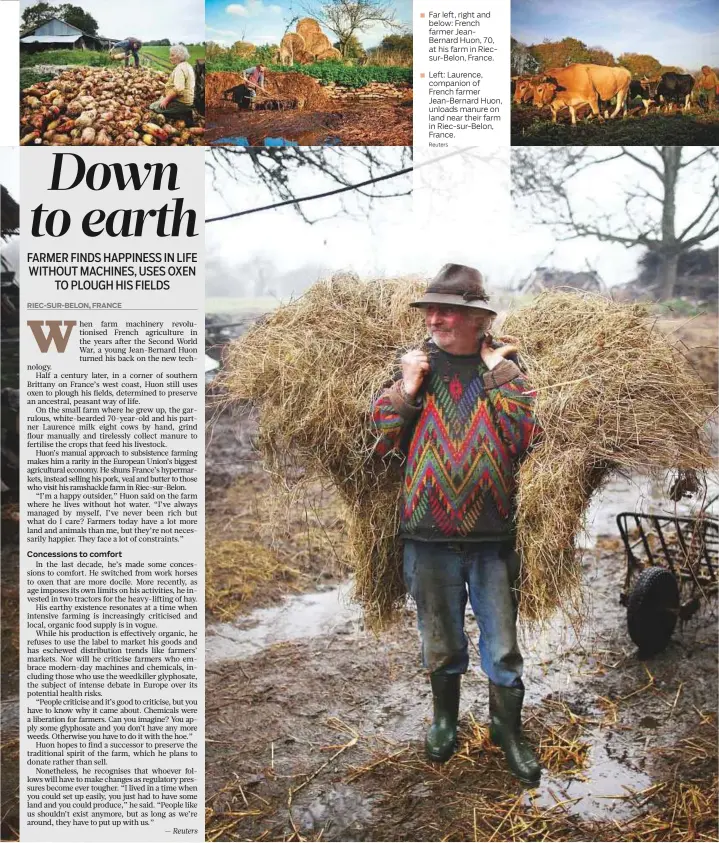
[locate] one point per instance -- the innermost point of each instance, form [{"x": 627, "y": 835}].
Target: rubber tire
[{"x": 652, "y": 610}]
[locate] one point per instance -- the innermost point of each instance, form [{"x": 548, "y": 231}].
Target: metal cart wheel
[{"x": 652, "y": 610}]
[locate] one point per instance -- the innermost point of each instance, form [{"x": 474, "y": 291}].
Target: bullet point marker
[
  {"x": 421, "y": 75},
  {"x": 421, "y": 14}
]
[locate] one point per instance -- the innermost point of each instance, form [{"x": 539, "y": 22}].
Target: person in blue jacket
[{"x": 129, "y": 45}]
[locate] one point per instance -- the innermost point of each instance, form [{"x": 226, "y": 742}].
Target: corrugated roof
[
  {"x": 50, "y": 39},
  {"x": 30, "y": 29}
]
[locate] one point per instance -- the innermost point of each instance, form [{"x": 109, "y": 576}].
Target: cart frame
[{"x": 687, "y": 547}]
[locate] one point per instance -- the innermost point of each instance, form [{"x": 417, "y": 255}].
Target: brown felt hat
[{"x": 457, "y": 285}]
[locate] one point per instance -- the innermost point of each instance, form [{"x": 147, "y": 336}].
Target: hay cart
[{"x": 672, "y": 565}]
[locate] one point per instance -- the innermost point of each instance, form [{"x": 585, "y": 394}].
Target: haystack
[
  {"x": 304, "y": 57},
  {"x": 317, "y": 43},
  {"x": 291, "y": 46},
  {"x": 243, "y": 49},
  {"x": 307, "y": 27},
  {"x": 333, "y": 54},
  {"x": 612, "y": 394}
]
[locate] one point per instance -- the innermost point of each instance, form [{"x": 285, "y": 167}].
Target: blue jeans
[{"x": 440, "y": 577}]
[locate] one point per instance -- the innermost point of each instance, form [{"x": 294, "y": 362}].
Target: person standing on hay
[{"x": 462, "y": 414}]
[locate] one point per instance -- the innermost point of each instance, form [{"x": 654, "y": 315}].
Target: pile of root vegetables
[{"x": 88, "y": 106}]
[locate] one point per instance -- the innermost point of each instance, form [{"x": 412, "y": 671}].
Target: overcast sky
[
  {"x": 261, "y": 22},
  {"x": 459, "y": 213},
  {"x": 600, "y": 190},
  {"x": 149, "y": 20},
  {"x": 676, "y": 32}
]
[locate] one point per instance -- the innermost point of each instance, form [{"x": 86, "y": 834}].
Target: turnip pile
[{"x": 89, "y": 106}]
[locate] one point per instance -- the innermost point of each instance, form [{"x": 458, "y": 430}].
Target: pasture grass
[
  {"x": 91, "y": 58},
  {"x": 197, "y": 51}
]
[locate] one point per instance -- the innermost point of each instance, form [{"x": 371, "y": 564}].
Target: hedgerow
[{"x": 325, "y": 71}]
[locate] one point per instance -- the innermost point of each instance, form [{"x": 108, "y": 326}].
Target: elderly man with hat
[{"x": 461, "y": 412}]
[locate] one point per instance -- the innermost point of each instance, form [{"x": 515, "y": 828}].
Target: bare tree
[
  {"x": 347, "y": 18},
  {"x": 545, "y": 179},
  {"x": 276, "y": 168}
]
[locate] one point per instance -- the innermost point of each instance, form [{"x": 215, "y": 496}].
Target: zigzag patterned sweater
[{"x": 463, "y": 441}]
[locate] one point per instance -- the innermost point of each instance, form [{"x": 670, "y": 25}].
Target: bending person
[
  {"x": 254, "y": 82},
  {"x": 130, "y": 45}
]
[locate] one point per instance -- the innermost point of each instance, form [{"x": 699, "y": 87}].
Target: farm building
[{"x": 55, "y": 34}]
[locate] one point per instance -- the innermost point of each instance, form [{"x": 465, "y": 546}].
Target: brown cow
[
  {"x": 559, "y": 100},
  {"x": 524, "y": 89},
  {"x": 588, "y": 83}
]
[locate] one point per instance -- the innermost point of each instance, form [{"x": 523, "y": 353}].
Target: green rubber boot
[
  {"x": 441, "y": 741},
  {"x": 505, "y": 730}
]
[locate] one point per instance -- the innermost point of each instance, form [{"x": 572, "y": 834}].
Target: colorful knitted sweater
[{"x": 463, "y": 440}]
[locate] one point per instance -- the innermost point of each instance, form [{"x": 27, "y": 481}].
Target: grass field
[
  {"x": 530, "y": 127},
  {"x": 197, "y": 51},
  {"x": 80, "y": 57},
  {"x": 97, "y": 59}
]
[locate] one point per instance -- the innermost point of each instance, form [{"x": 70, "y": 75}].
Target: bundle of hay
[
  {"x": 312, "y": 368},
  {"x": 612, "y": 394}
]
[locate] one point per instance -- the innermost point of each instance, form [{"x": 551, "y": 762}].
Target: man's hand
[
  {"x": 415, "y": 365},
  {"x": 493, "y": 356}
]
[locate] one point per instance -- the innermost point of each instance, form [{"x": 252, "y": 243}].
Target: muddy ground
[
  {"x": 315, "y": 726},
  {"x": 344, "y": 122}
]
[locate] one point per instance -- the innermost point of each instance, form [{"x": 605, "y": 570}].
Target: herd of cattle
[{"x": 596, "y": 85}]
